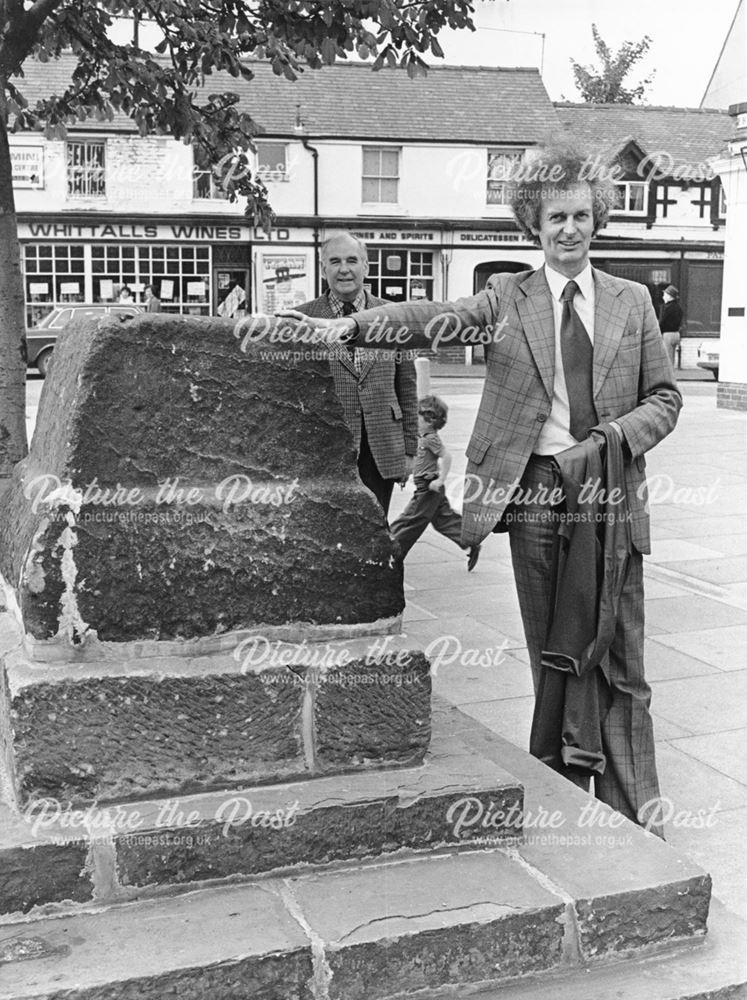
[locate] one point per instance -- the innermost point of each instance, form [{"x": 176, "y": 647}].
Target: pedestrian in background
[
  {"x": 152, "y": 303},
  {"x": 670, "y": 321}
]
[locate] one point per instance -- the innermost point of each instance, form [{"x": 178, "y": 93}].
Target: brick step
[
  {"x": 371, "y": 933},
  {"x": 139, "y": 848}
]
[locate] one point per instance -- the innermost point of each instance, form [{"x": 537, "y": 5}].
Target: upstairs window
[
  {"x": 632, "y": 197},
  {"x": 272, "y": 161},
  {"x": 86, "y": 169},
  {"x": 502, "y": 169},
  {"x": 380, "y": 175}
]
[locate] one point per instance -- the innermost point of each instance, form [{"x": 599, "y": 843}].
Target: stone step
[
  {"x": 710, "y": 968},
  {"x": 153, "y": 720},
  {"x": 117, "y": 852},
  {"x": 367, "y": 933}
]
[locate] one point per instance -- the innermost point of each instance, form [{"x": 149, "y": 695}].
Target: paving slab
[
  {"x": 677, "y": 614},
  {"x": 703, "y": 704},
  {"x": 441, "y": 921},
  {"x": 695, "y": 785},
  {"x": 721, "y": 849},
  {"x": 719, "y": 568},
  {"x": 723, "y": 648},
  {"x": 724, "y": 751},
  {"x": 239, "y": 942},
  {"x": 664, "y": 663}
]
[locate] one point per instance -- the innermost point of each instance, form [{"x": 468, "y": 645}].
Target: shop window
[
  {"x": 53, "y": 274},
  {"x": 400, "y": 275},
  {"x": 632, "y": 197},
  {"x": 272, "y": 161},
  {"x": 380, "y": 175},
  {"x": 86, "y": 169},
  {"x": 502, "y": 166},
  {"x": 179, "y": 274}
]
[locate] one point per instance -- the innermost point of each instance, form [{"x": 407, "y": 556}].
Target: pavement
[
  {"x": 696, "y": 628},
  {"x": 696, "y": 631}
]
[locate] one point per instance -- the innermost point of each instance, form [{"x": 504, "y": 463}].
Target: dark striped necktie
[
  {"x": 347, "y": 309},
  {"x": 577, "y": 352}
]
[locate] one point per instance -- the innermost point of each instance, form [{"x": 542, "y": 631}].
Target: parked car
[
  {"x": 40, "y": 340},
  {"x": 709, "y": 352}
]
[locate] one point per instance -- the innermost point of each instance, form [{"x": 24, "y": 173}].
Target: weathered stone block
[
  {"x": 348, "y": 817},
  {"x": 147, "y": 726},
  {"x": 46, "y": 873},
  {"x": 123, "y": 737},
  {"x": 374, "y": 713},
  {"x": 202, "y": 490}
]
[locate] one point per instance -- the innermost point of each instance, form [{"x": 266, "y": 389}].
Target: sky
[{"x": 686, "y": 39}]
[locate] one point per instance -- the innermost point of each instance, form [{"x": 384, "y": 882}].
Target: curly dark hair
[
  {"x": 558, "y": 168},
  {"x": 434, "y": 410}
]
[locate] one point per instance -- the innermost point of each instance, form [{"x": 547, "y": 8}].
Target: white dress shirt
[{"x": 556, "y": 434}]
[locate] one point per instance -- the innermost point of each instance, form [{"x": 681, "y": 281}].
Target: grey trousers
[{"x": 630, "y": 780}]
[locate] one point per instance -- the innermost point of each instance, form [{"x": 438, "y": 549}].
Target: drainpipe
[{"x": 301, "y": 133}]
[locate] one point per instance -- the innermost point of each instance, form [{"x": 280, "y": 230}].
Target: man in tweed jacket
[
  {"x": 525, "y": 417},
  {"x": 377, "y": 390}
]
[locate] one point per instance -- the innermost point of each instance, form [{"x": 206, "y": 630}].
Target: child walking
[{"x": 429, "y": 504}]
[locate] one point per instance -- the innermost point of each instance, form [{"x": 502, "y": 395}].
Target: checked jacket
[
  {"x": 384, "y": 396},
  {"x": 633, "y": 381}
]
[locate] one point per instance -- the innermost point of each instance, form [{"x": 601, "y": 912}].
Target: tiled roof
[
  {"x": 451, "y": 104},
  {"x": 689, "y": 136}
]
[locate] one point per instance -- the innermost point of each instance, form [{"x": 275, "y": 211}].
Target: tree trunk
[{"x": 12, "y": 317}]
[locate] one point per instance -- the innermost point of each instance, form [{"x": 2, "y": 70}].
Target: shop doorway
[
  {"x": 231, "y": 291},
  {"x": 483, "y": 271}
]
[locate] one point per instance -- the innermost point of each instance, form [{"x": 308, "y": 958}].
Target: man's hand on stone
[{"x": 330, "y": 331}]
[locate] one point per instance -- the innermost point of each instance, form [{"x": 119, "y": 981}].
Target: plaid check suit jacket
[
  {"x": 384, "y": 396},
  {"x": 633, "y": 381}
]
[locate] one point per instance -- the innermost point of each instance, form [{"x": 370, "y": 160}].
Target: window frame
[
  {"x": 274, "y": 173},
  {"x": 516, "y": 155},
  {"x": 380, "y": 177},
  {"x": 85, "y": 170},
  {"x": 634, "y": 213}
]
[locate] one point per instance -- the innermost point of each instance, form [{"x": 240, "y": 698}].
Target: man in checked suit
[
  {"x": 566, "y": 347},
  {"x": 378, "y": 391}
]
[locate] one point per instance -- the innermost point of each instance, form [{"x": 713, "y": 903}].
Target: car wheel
[{"x": 42, "y": 362}]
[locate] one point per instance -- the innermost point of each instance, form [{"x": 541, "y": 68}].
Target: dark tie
[
  {"x": 577, "y": 365},
  {"x": 347, "y": 309}
]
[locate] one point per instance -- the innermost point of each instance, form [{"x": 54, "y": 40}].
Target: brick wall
[{"x": 731, "y": 396}]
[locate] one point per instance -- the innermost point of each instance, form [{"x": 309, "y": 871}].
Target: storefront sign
[
  {"x": 481, "y": 237},
  {"x": 394, "y": 236},
  {"x": 285, "y": 281},
  {"x": 28, "y": 166}
]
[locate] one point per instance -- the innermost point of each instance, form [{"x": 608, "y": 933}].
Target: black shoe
[{"x": 472, "y": 556}]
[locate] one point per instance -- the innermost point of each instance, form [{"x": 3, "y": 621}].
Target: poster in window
[
  {"x": 106, "y": 289},
  {"x": 38, "y": 288},
  {"x": 196, "y": 289},
  {"x": 167, "y": 288},
  {"x": 285, "y": 281}
]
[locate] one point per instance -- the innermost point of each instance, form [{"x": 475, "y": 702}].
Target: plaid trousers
[{"x": 630, "y": 778}]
